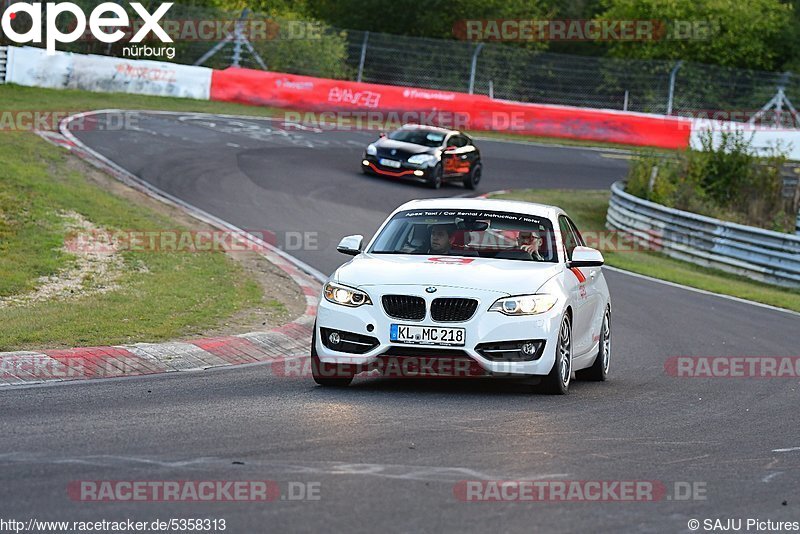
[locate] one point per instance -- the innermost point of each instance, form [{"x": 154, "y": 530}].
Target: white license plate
[
  {"x": 427, "y": 335},
  {"x": 389, "y": 163}
]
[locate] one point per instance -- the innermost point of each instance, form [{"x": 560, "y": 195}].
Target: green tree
[
  {"x": 434, "y": 18},
  {"x": 734, "y": 33}
]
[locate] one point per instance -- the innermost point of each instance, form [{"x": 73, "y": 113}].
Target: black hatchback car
[{"x": 426, "y": 154}]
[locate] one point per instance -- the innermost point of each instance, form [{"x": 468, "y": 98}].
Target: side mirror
[
  {"x": 586, "y": 257},
  {"x": 351, "y": 245}
]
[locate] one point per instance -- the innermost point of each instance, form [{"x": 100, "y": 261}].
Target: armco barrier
[
  {"x": 762, "y": 255},
  {"x": 480, "y": 112},
  {"x": 63, "y": 70}
]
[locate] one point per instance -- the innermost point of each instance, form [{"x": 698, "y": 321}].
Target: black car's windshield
[
  {"x": 478, "y": 233},
  {"x": 418, "y": 137}
]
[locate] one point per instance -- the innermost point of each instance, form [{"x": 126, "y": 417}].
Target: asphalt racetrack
[{"x": 387, "y": 454}]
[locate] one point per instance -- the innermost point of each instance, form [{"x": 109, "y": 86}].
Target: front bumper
[
  {"x": 370, "y": 324},
  {"x": 406, "y": 171}
]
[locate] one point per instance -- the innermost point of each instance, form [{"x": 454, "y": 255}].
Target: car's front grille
[
  {"x": 399, "y": 155},
  {"x": 453, "y": 309},
  {"x": 404, "y": 307}
]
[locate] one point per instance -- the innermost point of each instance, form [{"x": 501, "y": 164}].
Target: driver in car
[{"x": 441, "y": 239}]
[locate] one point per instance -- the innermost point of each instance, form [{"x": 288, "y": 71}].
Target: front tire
[
  {"x": 558, "y": 380},
  {"x": 598, "y": 372},
  {"x": 474, "y": 177},
  {"x": 435, "y": 181},
  {"x": 327, "y": 374}
]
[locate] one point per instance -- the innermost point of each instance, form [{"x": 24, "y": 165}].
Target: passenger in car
[{"x": 530, "y": 242}]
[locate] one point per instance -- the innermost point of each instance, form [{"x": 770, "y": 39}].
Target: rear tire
[
  {"x": 435, "y": 181},
  {"x": 474, "y": 177},
  {"x": 327, "y": 374},
  {"x": 598, "y": 372},
  {"x": 558, "y": 380}
]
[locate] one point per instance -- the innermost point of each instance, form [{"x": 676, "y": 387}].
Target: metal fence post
[
  {"x": 474, "y": 67},
  {"x": 363, "y": 56},
  {"x": 3, "y": 63},
  {"x": 237, "y": 43},
  {"x": 672, "y": 75}
]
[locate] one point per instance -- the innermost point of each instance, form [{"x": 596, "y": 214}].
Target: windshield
[
  {"x": 418, "y": 137},
  {"x": 485, "y": 234}
]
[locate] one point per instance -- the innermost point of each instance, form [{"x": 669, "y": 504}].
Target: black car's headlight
[
  {"x": 422, "y": 159},
  {"x": 524, "y": 304},
  {"x": 372, "y": 150},
  {"x": 345, "y": 296}
]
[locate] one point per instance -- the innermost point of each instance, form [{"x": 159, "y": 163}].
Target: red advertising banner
[{"x": 478, "y": 112}]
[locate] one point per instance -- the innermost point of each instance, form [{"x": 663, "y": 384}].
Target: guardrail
[
  {"x": 3, "y": 63},
  {"x": 765, "y": 256},
  {"x": 791, "y": 187}
]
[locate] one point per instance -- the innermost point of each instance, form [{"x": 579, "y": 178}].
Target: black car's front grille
[
  {"x": 404, "y": 307},
  {"x": 453, "y": 309},
  {"x": 399, "y": 155}
]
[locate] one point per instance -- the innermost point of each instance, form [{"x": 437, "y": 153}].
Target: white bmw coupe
[{"x": 507, "y": 287}]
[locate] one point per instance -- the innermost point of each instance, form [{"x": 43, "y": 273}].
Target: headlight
[
  {"x": 346, "y": 296},
  {"x": 422, "y": 159},
  {"x": 371, "y": 150},
  {"x": 524, "y": 304}
]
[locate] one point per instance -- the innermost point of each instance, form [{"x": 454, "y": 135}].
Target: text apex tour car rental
[
  {"x": 507, "y": 285},
  {"x": 426, "y": 154}
]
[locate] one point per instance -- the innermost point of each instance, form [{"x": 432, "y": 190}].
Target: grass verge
[
  {"x": 156, "y": 296},
  {"x": 588, "y": 210}
]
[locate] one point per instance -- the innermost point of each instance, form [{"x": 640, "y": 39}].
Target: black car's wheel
[
  {"x": 326, "y": 374},
  {"x": 598, "y": 372},
  {"x": 435, "y": 180},
  {"x": 557, "y": 382},
  {"x": 474, "y": 177}
]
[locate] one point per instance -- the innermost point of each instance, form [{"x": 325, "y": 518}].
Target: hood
[
  {"x": 505, "y": 277},
  {"x": 385, "y": 144}
]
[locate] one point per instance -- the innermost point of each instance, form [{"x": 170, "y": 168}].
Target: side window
[
  {"x": 567, "y": 236},
  {"x": 578, "y": 237},
  {"x": 458, "y": 141}
]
